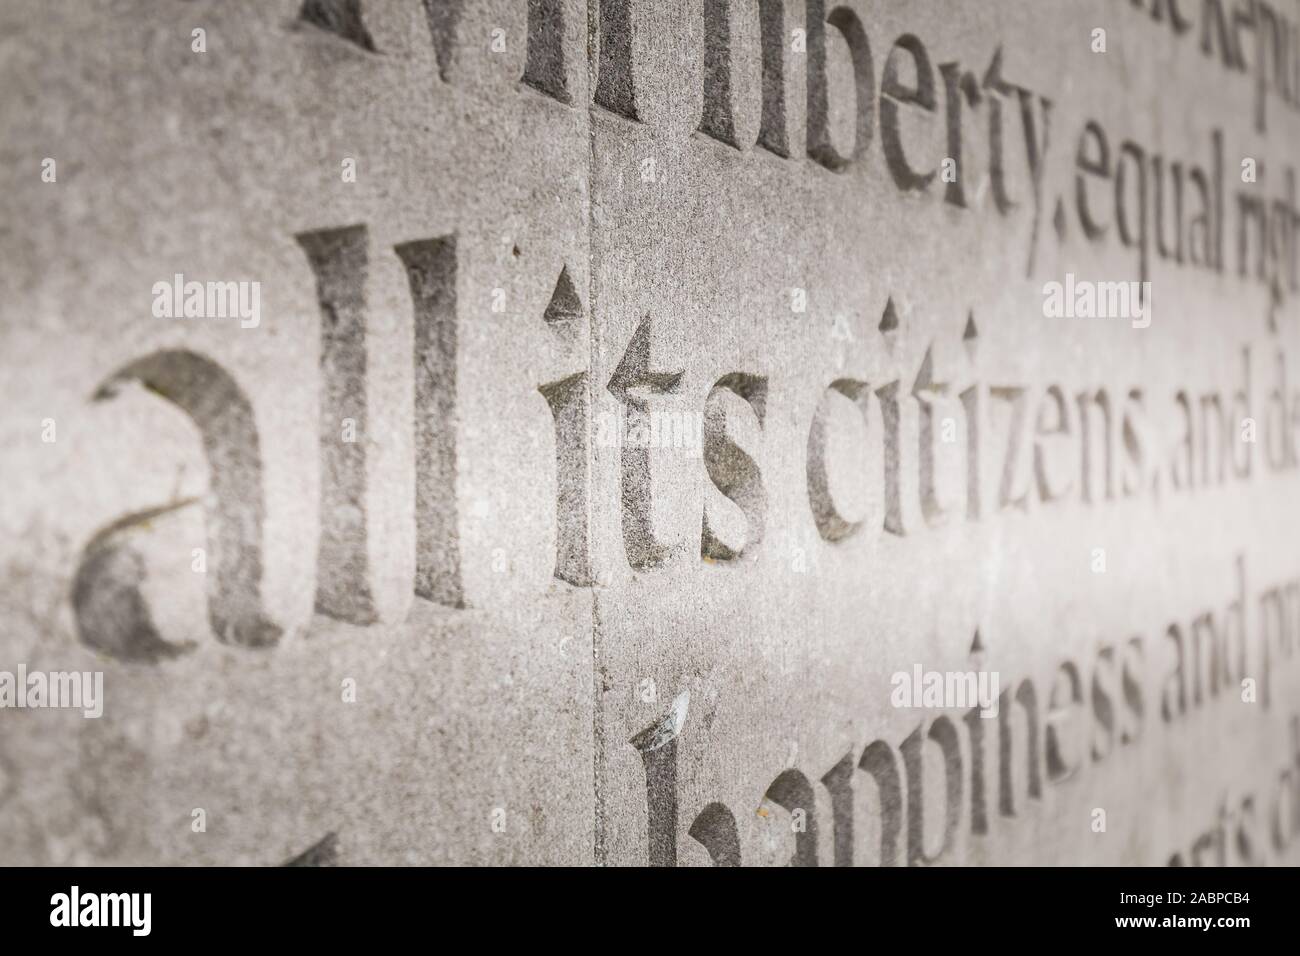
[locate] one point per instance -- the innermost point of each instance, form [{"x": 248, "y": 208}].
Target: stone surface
[{"x": 641, "y": 400}]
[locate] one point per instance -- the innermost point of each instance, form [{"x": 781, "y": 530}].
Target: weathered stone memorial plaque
[{"x": 673, "y": 432}]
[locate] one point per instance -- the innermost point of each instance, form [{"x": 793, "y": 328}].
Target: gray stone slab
[{"x": 684, "y": 432}]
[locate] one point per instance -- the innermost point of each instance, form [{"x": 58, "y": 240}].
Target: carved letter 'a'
[{"x": 112, "y": 614}]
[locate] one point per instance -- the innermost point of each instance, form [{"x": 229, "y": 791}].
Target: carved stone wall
[{"x": 650, "y": 431}]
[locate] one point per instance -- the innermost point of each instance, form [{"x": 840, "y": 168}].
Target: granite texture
[{"x": 638, "y": 394}]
